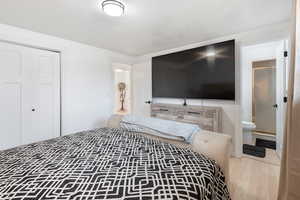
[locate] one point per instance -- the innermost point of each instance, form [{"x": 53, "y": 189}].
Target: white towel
[{"x": 171, "y": 128}]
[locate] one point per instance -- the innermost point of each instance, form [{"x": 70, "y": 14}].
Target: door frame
[
  {"x": 260, "y": 52},
  {"x": 253, "y": 99},
  {"x": 59, "y": 52},
  {"x": 281, "y": 74}
]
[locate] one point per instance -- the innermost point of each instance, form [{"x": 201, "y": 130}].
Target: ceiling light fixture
[{"x": 113, "y": 8}]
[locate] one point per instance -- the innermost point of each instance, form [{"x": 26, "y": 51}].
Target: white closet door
[
  {"x": 30, "y": 95},
  {"x": 47, "y": 87},
  {"x": 11, "y": 68},
  {"x": 42, "y": 112}
]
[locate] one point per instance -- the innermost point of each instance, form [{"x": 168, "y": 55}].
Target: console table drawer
[
  {"x": 199, "y": 119},
  {"x": 208, "y": 118},
  {"x": 195, "y": 113}
]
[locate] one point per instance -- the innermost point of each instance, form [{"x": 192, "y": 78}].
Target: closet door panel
[
  {"x": 46, "y": 68},
  {"x": 28, "y": 99},
  {"x": 10, "y": 96},
  {"x": 44, "y": 115},
  {"x": 10, "y": 119},
  {"x": 47, "y": 90},
  {"x": 10, "y": 64}
]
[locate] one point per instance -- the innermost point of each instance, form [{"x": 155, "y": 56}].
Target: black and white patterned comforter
[{"x": 108, "y": 164}]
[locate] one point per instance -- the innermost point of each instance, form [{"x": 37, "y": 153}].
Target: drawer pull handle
[
  {"x": 194, "y": 113},
  {"x": 164, "y": 110}
]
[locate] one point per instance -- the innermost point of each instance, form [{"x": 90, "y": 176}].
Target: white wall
[
  {"x": 87, "y": 77},
  {"x": 232, "y": 110}
]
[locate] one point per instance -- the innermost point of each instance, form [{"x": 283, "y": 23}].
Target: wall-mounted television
[{"x": 206, "y": 72}]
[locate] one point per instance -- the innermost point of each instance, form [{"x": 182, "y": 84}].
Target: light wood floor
[
  {"x": 271, "y": 157},
  {"x": 252, "y": 179}
]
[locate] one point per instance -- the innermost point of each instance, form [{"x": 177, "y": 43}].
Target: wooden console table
[{"x": 208, "y": 118}]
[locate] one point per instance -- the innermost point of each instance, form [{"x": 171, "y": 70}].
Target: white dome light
[{"x": 113, "y": 8}]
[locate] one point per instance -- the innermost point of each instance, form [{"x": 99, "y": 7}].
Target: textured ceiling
[{"x": 148, "y": 25}]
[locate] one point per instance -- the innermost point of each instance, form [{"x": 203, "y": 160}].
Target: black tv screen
[{"x": 206, "y": 72}]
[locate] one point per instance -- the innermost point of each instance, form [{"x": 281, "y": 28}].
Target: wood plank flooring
[{"x": 252, "y": 179}]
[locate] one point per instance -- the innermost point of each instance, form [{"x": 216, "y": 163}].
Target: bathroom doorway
[
  {"x": 263, "y": 97},
  {"x": 264, "y": 105}
]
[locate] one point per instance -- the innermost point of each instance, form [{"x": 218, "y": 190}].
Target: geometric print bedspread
[{"x": 108, "y": 164}]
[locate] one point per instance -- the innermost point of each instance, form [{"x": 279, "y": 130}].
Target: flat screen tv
[{"x": 206, "y": 72}]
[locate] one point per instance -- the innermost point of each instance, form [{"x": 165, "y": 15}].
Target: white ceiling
[{"x": 148, "y": 26}]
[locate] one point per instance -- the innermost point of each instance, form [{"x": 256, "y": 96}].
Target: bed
[{"x": 110, "y": 163}]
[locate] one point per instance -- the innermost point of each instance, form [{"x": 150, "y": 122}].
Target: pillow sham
[{"x": 141, "y": 129}]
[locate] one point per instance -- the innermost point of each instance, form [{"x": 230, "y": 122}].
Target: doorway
[
  {"x": 263, "y": 129},
  {"x": 264, "y": 97},
  {"x": 263, "y": 79}
]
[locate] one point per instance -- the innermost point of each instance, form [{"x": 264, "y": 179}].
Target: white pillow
[{"x": 141, "y": 129}]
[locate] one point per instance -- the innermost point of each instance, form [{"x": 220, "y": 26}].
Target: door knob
[{"x": 148, "y": 102}]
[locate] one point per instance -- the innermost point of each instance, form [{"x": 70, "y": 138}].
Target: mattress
[{"x": 108, "y": 163}]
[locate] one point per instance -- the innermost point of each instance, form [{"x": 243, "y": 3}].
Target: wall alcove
[{"x": 122, "y": 89}]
